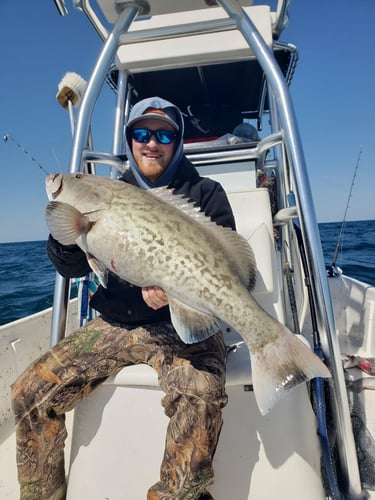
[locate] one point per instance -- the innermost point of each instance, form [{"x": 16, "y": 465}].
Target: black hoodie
[{"x": 120, "y": 301}]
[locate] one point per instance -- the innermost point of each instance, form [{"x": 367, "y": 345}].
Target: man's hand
[{"x": 154, "y": 297}]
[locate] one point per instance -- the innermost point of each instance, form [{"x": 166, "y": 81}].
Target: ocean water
[{"x": 27, "y": 277}]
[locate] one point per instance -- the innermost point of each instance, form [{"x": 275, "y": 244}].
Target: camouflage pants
[{"x": 192, "y": 377}]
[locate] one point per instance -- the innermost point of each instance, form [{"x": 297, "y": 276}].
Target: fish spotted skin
[{"x": 155, "y": 238}]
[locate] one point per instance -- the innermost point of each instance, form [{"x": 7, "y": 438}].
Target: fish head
[{"x": 85, "y": 192}]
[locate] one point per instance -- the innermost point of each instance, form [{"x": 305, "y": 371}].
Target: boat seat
[{"x": 238, "y": 370}]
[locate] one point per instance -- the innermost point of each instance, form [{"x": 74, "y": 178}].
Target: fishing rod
[
  {"x": 7, "y": 137},
  {"x": 333, "y": 269}
]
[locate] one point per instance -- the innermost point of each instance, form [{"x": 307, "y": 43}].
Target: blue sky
[{"x": 333, "y": 92}]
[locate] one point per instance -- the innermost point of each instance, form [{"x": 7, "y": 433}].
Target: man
[{"x": 134, "y": 327}]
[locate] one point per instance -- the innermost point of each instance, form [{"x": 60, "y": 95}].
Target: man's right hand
[{"x": 154, "y": 297}]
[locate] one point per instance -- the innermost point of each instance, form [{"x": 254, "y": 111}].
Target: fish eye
[{"x": 78, "y": 176}]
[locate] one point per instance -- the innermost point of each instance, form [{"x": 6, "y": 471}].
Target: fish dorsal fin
[
  {"x": 180, "y": 201},
  {"x": 234, "y": 245},
  {"x": 191, "y": 324},
  {"x": 238, "y": 249}
]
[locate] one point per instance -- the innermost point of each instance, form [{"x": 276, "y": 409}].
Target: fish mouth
[{"x": 54, "y": 185}]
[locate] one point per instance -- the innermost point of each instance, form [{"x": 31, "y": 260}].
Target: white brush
[{"x": 71, "y": 88}]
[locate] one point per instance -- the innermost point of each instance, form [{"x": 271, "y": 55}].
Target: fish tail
[{"x": 280, "y": 366}]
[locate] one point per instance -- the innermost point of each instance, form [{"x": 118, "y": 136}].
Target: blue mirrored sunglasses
[{"x": 144, "y": 135}]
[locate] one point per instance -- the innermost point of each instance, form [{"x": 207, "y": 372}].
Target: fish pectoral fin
[
  {"x": 191, "y": 324},
  {"x": 65, "y": 222},
  {"x": 280, "y": 366},
  {"x": 99, "y": 269}
]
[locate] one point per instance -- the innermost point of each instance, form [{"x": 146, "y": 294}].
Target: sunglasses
[{"x": 144, "y": 135}]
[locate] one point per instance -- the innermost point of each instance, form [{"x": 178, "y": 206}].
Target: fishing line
[
  {"x": 8, "y": 137},
  {"x": 333, "y": 270}
]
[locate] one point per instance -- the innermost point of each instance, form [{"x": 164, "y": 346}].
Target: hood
[{"x": 137, "y": 111}]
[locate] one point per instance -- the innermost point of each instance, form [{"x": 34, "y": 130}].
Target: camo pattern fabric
[{"x": 192, "y": 377}]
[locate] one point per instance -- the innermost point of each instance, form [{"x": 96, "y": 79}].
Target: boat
[{"x": 224, "y": 64}]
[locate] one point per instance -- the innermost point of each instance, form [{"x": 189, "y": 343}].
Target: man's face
[{"x": 152, "y": 157}]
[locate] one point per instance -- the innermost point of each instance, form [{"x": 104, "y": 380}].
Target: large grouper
[{"x": 155, "y": 238}]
